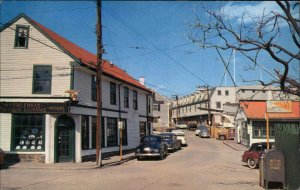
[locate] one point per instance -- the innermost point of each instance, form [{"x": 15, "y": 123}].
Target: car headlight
[{"x": 156, "y": 150}]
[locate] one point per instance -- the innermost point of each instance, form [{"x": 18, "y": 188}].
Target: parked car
[
  {"x": 199, "y": 128},
  {"x": 192, "y": 126},
  {"x": 252, "y": 155},
  {"x": 171, "y": 140},
  {"x": 204, "y": 133},
  {"x": 180, "y": 135},
  {"x": 181, "y": 126},
  {"x": 151, "y": 146}
]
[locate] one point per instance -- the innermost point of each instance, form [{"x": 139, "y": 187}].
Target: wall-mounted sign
[
  {"x": 279, "y": 106},
  {"x": 33, "y": 107}
]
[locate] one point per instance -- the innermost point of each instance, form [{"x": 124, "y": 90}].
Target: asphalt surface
[{"x": 205, "y": 164}]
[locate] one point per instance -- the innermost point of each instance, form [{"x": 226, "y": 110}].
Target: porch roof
[{"x": 257, "y": 110}]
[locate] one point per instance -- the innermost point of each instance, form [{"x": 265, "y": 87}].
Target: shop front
[{"x": 28, "y": 126}]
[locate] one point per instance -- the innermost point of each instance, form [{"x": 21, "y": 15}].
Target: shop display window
[{"x": 28, "y": 132}]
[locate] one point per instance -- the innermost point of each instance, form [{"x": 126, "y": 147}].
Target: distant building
[
  {"x": 223, "y": 103},
  {"x": 161, "y": 115},
  {"x": 48, "y": 98},
  {"x": 201, "y": 104},
  {"x": 250, "y": 121}
]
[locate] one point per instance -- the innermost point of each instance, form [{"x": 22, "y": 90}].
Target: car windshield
[
  {"x": 166, "y": 137},
  {"x": 201, "y": 127},
  {"x": 151, "y": 139}
]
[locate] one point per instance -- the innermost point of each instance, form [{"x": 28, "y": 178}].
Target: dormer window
[{"x": 22, "y": 33}]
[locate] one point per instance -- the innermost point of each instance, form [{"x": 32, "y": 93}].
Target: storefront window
[
  {"x": 142, "y": 129},
  {"x": 28, "y": 132},
  {"x": 112, "y": 132},
  {"x": 84, "y": 132},
  {"x": 260, "y": 129},
  {"x": 124, "y": 132}
]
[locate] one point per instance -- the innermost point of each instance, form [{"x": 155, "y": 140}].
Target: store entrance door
[{"x": 65, "y": 139}]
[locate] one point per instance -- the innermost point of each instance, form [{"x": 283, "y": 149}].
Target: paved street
[{"x": 204, "y": 164}]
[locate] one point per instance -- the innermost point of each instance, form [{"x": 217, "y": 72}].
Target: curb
[
  {"x": 232, "y": 147},
  {"x": 75, "y": 167},
  {"x": 116, "y": 163}
]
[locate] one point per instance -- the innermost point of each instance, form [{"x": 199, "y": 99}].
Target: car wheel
[
  {"x": 222, "y": 138},
  {"x": 162, "y": 155},
  {"x": 251, "y": 163}
]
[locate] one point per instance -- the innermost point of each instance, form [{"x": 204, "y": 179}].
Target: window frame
[
  {"x": 226, "y": 92},
  {"x": 13, "y": 133},
  {"x": 34, "y": 79},
  {"x": 114, "y": 127},
  {"x": 124, "y": 132},
  {"x": 113, "y": 93},
  {"x": 85, "y": 133},
  {"x": 16, "y": 44},
  {"x": 219, "y": 93},
  {"x": 135, "y": 100},
  {"x": 142, "y": 128},
  {"x": 218, "y": 105},
  {"x": 126, "y": 96},
  {"x": 93, "y": 88}
]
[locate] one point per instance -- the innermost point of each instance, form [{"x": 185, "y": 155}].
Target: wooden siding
[
  {"x": 5, "y": 131},
  {"x": 17, "y": 64}
]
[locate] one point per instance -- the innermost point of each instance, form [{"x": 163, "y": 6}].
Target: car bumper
[
  {"x": 207, "y": 135},
  {"x": 147, "y": 154}
]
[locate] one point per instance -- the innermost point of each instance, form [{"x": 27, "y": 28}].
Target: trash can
[
  {"x": 273, "y": 168},
  {"x": 1, "y": 156}
]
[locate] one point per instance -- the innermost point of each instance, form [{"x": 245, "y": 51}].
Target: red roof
[
  {"x": 85, "y": 57},
  {"x": 257, "y": 110}
]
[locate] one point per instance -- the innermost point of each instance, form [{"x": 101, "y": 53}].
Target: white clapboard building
[{"x": 48, "y": 98}]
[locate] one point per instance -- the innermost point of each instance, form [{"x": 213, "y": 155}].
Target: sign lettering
[{"x": 33, "y": 107}]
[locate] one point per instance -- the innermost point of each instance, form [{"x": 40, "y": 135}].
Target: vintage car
[
  {"x": 151, "y": 146},
  {"x": 171, "y": 140},
  {"x": 204, "y": 133},
  {"x": 252, "y": 155},
  {"x": 180, "y": 135},
  {"x": 199, "y": 129},
  {"x": 192, "y": 126}
]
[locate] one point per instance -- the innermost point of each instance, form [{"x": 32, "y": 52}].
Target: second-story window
[
  {"x": 94, "y": 88},
  {"x": 135, "y": 100},
  {"x": 126, "y": 97},
  {"x": 42, "y": 77},
  {"x": 226, "y": 92},
  {"x": 113, "y": 93},
  {"x": 219, "y": 93},
  {"x": 218, "y": 104},
  {"x": 22, "y": 33}
]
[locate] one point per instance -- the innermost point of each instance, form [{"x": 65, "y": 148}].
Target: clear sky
[{"x": 147, "y": 39}]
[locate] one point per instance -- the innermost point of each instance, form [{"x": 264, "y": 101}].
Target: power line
[{"x": 155, "y": 47}]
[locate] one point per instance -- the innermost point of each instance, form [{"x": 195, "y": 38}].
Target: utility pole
[
  {"x": 208, "y": 106},
  {"x": 177, "y": 113},
  {"x": 99, "y": 86}
]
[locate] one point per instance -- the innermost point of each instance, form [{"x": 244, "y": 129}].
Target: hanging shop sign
[
  {"x": 33, "y": 107},
  {"x": 279, "y": 106}
]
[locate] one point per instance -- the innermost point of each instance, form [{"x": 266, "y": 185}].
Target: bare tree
[{"x": 254, "y": 38}]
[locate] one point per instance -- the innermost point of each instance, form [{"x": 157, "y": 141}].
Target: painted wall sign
[
  {"x": 33, "y": 107},
  {"x": 279, "y": 106}
]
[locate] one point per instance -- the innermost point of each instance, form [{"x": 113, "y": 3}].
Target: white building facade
[
  {"x": 38, "y": 119},
  {"x": 161, "y": 111}
]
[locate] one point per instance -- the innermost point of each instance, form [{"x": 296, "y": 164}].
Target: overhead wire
[{"x": 154, "y": 46}]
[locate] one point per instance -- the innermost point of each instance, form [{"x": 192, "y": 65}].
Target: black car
[
  {"x": 171, "y": 140},
  {"x": 151, "y": 146},
  {"x": 192, "y": 126}
]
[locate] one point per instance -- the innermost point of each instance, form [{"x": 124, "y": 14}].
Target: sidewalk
[
  {"x": 106, "y": 162},
  {"x": 235, "y": 146}
]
